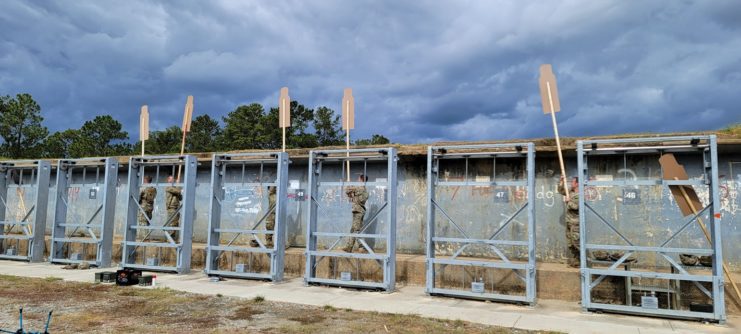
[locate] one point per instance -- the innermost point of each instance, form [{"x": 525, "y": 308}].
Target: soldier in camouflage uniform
[
  {"x": 173, "y": 197},
  {"x": 146, "y": 201},
  {"x": 269, "y": 220},
  {"x": 358, "y": 196},
  {"x": 693, "y": 260},
  {"x": 572, "y": 220}
]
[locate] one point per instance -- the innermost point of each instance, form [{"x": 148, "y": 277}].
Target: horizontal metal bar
[
  {"x": 236, "y": 230},
  {"x": 156, "y": 228},
  {"x": 481, "y": 184},
  {"x": 479, "y": 155},
  {"x": 250, "y": 184},
  {"x": 644, "y": 149},
  {"x": 151, "y": 268},
  {"x": 160, "y": 157},
  {"x": 347, "y": 255},
  {"x": 488, "y": 264},
  {"x": 628, "y": 183},
  {"x": 684, "y": 183},
  {"x": 240, "y": 162},
  {"x": 695, "y": 251},
  {"x": 248, "y": 154},
  {"x": 58, "y": 260},
  {"x": 354, "y": 158},
  {"x": 22, "y": 186},
  {"x": 245, "y": 249},
  {"x": 80, "y": 225},
  {"x": 351, "y": 184},
  {"x": 14, "y": 257},
  {"x": 75, "y": 240},
  {"x": 90, "y": 159},
  {"x": 11, "y": 222},
  {"x": 83, "y": 162},
  {"x": 227, "y": 273},
  {"x": 648, "y": 274},
  {"x": 486, "y": 296},
  {"x": 634, "y": 287},
  {"x": 481, "y": 241},
  {"x": 480, "y": 146},
  {"x": 663, "y": 312},
  {"x": 15, "y": 237},
  {"x": 163, "y": 184},
  {"x": 356, "y": 235},
  {"x": 352, "y": 150},
  {"x": 151, "y": 244},
  {"x": 20, "y": 163},
  {"x": 643, "y": 139},
  {"x": 624, "y": 183},
  {"x": 355, "y": 284}
]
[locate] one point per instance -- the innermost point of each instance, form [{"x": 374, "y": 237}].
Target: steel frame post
[
  {"x": 182, "y": 246},
  {"x": 33, "y": 231},
  {"x": 104, "y": 241},
  {"x": 708, "y": 150},
  {"x": 215, "y": 248},
  {"x": 434, "y": 155},
  {"x": 387, "y": 260}
]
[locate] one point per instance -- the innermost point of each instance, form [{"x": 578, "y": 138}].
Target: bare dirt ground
[{"x": 105, "y": 308}]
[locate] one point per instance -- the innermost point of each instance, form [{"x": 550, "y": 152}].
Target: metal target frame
[
  {"x": 435, "y": 154},
  {"x": 215, "y": 248},
  {"x": 183, "y": 246},
  {"x": 103, "y": 214},
  {"x": 703, "y": 145},
  {"x": 33, "y": 232},
  {"x": 313, "y": 256}
]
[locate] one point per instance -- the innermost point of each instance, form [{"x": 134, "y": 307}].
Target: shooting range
[
  {"x": 240, "y": 212},
  {"x": 492, "y": 258},
  {"x": 373, "y": 265},
  {"x": 654, "y": 274},
  {"x": 24, "y": 194},
  {"x": 82, "y": 228},
  {"x": 150, "y": 246}
]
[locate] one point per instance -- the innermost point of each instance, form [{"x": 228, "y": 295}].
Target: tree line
[{"x": 246, "y": 127}]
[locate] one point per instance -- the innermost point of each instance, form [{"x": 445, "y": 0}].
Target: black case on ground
[{"x": 128, "y": 276}]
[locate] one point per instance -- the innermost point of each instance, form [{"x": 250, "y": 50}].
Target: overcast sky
[{"x": 420, "y": 70}]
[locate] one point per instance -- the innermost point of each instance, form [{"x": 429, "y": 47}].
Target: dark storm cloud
[{"x": 420, "y": 71}]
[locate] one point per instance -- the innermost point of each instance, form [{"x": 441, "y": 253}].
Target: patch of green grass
[
  {"x": 258, "y": 299},
  {"x": 329, "y": 308},
  {"x": 733, "y": 130},
  {"x": 52, "y": 279},
  {"x": 219, "y": 295},
  {"x": 8, "y": 278}
]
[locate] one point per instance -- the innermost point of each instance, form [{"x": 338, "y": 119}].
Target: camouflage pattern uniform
[
  {"x": 358, "y": 196},
  {"x": 693, "y": 260},
  {"x": 572, "y": 224},
  {"x": 270, "y": 220},
  {"x": 173, "y": 196},
  {"x": 146, "y": 201}
]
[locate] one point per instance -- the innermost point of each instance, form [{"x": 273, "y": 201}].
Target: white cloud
[{"x": 420, "y": 70}]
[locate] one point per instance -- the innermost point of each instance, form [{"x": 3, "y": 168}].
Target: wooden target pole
[
  {"x": 348, "y": 122},
  {"x": 187, "y": 118},
  {"x": 284, "y": 113},
  {"x": 551, "y": 105}
]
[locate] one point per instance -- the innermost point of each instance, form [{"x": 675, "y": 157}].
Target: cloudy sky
[{"x": 420, "y": 70}]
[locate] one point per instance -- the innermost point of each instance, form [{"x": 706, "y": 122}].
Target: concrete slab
[{"x": 556, "y": 315}]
